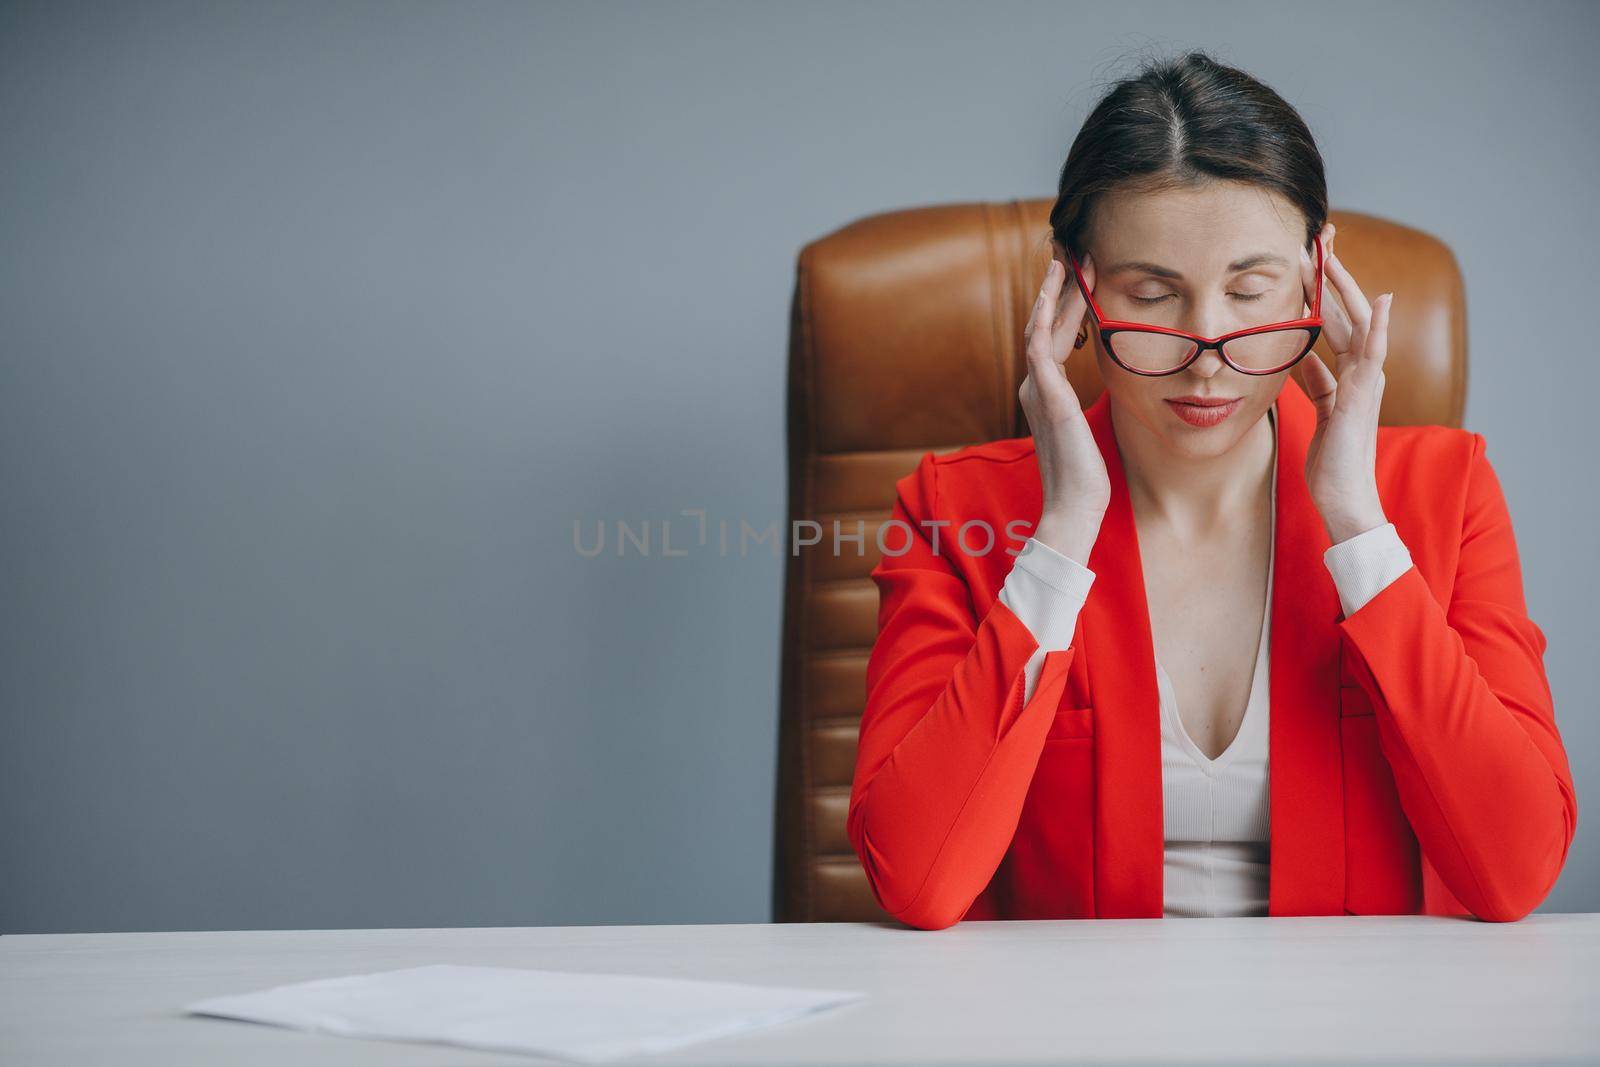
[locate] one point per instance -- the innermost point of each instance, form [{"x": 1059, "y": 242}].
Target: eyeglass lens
[{"x": 1153, "y": 352}]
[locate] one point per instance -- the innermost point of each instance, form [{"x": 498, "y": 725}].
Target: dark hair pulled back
[{"x": 1187, "y": 121}]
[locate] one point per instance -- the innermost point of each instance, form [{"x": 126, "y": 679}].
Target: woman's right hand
[{"x": 1077, "y": 489}]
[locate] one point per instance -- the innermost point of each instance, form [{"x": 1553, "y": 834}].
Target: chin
[{"x": 1199, "y": 444}]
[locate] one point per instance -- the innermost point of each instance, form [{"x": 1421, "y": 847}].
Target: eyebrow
[{"x": 1159, "y": 271}]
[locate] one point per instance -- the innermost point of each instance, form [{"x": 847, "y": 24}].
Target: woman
[{"x": 1259, "y": 656}]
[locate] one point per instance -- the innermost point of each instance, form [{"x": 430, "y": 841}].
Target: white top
[{"x": 1216, "y": 817}]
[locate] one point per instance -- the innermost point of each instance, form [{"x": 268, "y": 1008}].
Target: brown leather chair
[{"x": 906, "y": 338}]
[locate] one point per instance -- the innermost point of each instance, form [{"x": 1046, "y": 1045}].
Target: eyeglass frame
[{"x": 1105, "y": 327}]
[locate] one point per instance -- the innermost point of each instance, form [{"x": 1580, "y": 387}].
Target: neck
[{"x": 1196, "y": 496}]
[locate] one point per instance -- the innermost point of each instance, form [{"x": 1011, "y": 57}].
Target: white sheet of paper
[{"x": 572, "y": 1015}]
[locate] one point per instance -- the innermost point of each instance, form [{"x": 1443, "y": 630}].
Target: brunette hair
[{"x": 1187, "y": 121}]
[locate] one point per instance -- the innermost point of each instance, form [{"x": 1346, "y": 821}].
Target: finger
[
  {"x": 1036, "y": 317},
  {"x": 1344, "y": 283},
  {"x": 1354, "y": 301},
  {"x": 1040, "y": 334},
  {"x": 1072, "y": 302},
  {"x": 1318, "y": 382},
  {"x": 1074, "y": 311},
  {"x": 1377, "y": 349},
  {"x": 1308, "y": 264},
  {"x": 1336, "y": 324}
]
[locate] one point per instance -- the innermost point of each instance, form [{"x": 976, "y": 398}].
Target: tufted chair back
[{"x": 905, "y": 338}]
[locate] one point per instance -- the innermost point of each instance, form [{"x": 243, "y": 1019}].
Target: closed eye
[{"x": 1147, "y": 300}]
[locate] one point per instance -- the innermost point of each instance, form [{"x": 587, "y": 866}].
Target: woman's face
[{"x": 1208, "y": 260}]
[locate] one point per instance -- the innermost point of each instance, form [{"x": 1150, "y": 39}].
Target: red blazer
[{"x": 1415, "y": 765}]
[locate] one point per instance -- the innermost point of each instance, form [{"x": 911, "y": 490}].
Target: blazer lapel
[
  {"x": 1306, "y": 791},
  {"x": 1129, "y": 839}
]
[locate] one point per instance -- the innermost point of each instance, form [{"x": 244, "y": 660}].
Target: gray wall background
[{"x": 320, "y": 324}]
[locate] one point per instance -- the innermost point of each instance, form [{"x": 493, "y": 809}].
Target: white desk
[{"x": 1357, "y": 989}]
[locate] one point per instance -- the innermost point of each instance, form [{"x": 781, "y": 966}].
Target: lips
[{"x": 1203, "y": 411}]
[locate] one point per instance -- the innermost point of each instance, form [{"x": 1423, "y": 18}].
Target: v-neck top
[{"x": 1216, "y": 822}]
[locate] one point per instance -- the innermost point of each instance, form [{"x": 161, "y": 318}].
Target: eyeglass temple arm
[
  {"x": 1316, "y": 297},
  {"x": 1077, "y": 272}
]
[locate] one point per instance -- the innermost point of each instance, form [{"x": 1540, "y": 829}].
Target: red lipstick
[{"x": 1203, "y": 411}]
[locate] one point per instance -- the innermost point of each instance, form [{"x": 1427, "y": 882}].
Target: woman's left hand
[{"x": 1341, "y": 464}]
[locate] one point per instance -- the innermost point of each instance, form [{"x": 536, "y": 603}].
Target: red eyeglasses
[{"x": 1157, "y": 350}]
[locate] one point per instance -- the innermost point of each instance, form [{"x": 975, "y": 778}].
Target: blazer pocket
[
  {"x": 1353, "y": 700},
  {"x": 1071, "y": 724}
]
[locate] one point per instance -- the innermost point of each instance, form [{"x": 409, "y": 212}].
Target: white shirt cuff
[
  {"x": 1045, "y": 590},
  {"x": 1364, "y": 565}
]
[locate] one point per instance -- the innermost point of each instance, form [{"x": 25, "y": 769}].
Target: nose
[
  {"x": 1208, "y": 364},
  {"x": 1210, "y": 321}
]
